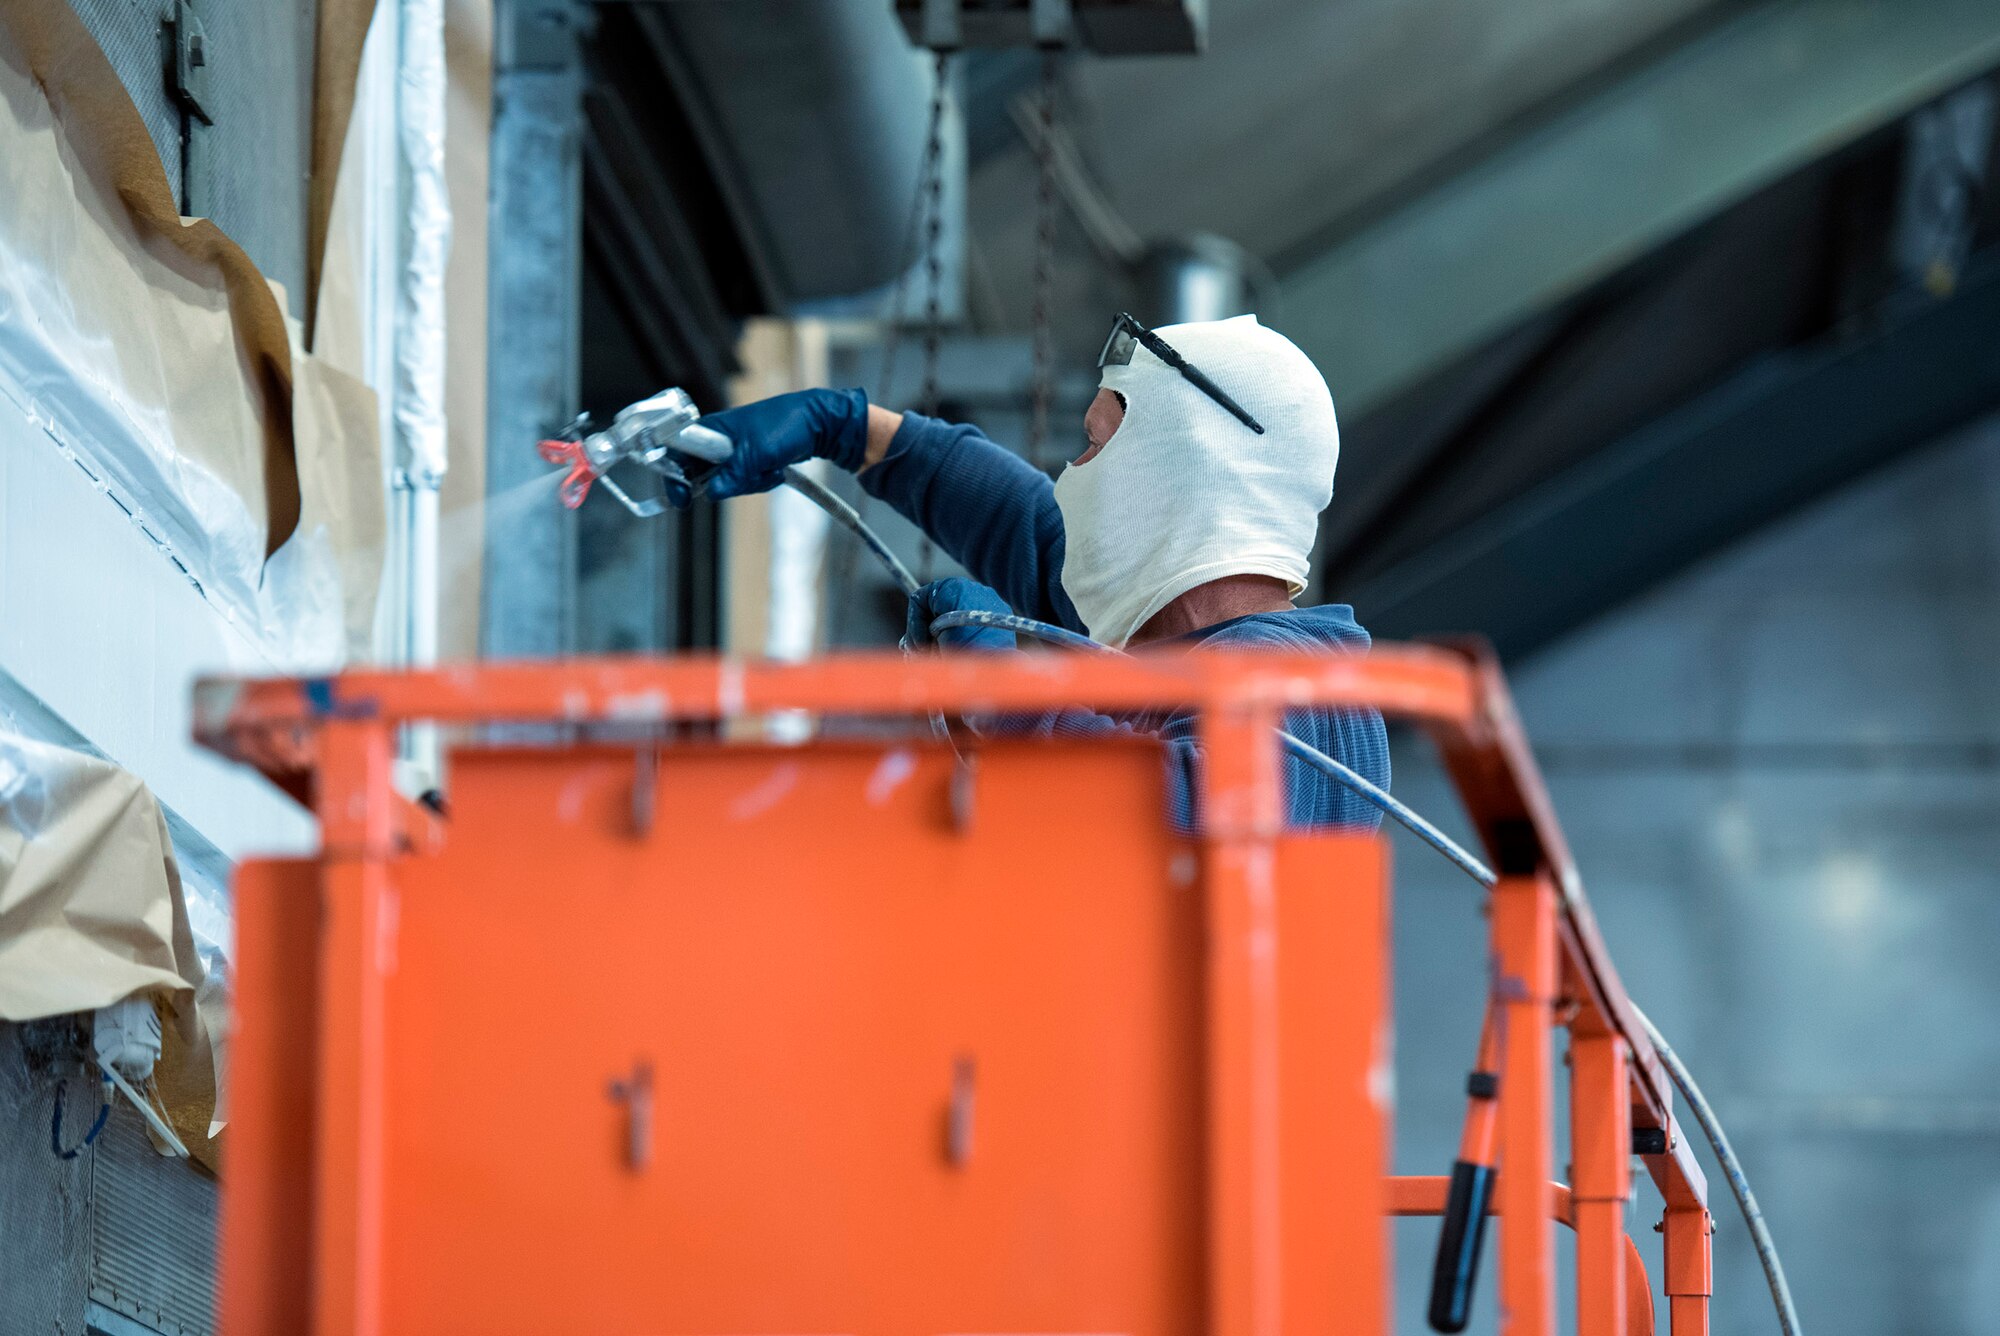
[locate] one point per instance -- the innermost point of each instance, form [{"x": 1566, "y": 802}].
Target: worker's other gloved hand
[
  {"x": 938, "y": 597},
  {"x": 773, "y": 434}
]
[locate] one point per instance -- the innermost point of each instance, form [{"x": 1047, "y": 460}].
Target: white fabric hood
[{"x": 1183, "y": 493}]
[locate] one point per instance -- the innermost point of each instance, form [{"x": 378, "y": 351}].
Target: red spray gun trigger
[
  {"x": 655, "y": 434},
  {"x": 576, "y": 483}
]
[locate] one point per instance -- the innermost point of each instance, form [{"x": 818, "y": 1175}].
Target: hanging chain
[
  {"x": 929, "y": 167},
  {"x": 933, "y": 188},
  {"x": 840, "y": 579},
  {"x": 934, "y": 241},
  {"x": 1045, "y": 259}
]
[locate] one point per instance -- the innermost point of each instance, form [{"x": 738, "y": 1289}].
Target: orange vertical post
[
  {"x": 1600, "y": 1177},
  {"x": 1524, "y": 938},
  {"x": 1690, "y": 1277},
  {"x": 1242, "y": 812},
  {"x": 264, "y": 1282},
  {"x": 357, "y": 830}
]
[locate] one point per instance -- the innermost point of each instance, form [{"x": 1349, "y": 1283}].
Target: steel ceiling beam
[
  {"x": 1785, "y": 430},
  {"x": 1614, "y": 176}
]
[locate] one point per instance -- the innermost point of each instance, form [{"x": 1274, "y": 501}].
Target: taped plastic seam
[
  {"x": 420, "y": 315},
  {"x": 123, "y": 352}
]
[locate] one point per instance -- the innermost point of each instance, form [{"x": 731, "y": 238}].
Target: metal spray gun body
[{"x": 650, "y": 433}]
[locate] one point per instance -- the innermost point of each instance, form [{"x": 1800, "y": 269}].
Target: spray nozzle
[
  {"x": 566, "y": 450},
  {"x": 656, "y": 433}
]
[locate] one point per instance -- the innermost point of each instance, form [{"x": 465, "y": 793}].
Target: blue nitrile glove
[
  {"x": 956, "y": 595},
  {"x": 774, "y": 433}
]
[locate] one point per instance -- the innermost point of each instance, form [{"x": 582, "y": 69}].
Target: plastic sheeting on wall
[
  {"x": 340, "y": 538},
  {"x": 144, "y": 358},
  {"x": 105, "y": 144}
]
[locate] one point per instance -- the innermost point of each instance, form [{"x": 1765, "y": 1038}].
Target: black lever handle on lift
[
  {"x": 1459, "y": 1244},
  {"x": 1466, "y": 1206}
]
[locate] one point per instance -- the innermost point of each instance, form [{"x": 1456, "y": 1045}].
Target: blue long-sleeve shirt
[{"x": 997, "y": 516}]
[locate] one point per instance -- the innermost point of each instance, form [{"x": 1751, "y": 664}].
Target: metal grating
[
  {"x": 41, "y": 1194},
  {"x": 260, "y": 147},
  {"x": 152, "y": 1232},
  {"x": 254, "y": 160},
  {"x": 134, "y": 37}
]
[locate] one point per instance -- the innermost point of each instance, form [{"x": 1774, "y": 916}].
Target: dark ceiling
[{"x": 1770, "y": 354}]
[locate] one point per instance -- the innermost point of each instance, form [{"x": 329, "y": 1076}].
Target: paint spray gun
[
  {"x": 659, "y": 433},
  {"x": 662, "y": 434}
]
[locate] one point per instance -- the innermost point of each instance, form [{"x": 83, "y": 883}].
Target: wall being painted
[
  {"x": 100, "y": 629},
  {"x": 1781, "y": 777}
]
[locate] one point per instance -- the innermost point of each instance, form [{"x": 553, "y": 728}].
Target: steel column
[
  {"x": 1524, "y": 940},
  {"x": 534, "y": 292}
]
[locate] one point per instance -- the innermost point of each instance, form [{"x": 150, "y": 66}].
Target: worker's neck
[{"x": 1216, "y": 601}]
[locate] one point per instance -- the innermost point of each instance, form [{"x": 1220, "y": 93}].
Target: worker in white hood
[
  {"x": 1188, "y": 518},
  {"x": 1179, "y": 513}
]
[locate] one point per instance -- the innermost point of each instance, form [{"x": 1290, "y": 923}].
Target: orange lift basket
[{"x": 661, "y": 1030}]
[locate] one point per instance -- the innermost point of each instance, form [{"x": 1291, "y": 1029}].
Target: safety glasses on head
[{"x": 1128, "y": 334}]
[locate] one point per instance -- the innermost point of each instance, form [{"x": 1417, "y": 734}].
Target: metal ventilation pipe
[{"x": 1201, "y": 277}]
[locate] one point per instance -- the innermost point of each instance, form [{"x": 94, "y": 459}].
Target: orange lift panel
[{"x": 833, "y": 1038}]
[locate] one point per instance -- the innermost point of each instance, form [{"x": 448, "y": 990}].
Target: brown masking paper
[
  {"x": 342, "y": 30},
  {"x": 142, "y": 326},
  {"x": 92, "y": 911}
]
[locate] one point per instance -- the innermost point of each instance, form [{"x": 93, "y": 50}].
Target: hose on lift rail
[
  {"x": 1457, "y": 854},
  {"x": 1732, "y": 1169},
  {"x": 1373, "y": 793}
]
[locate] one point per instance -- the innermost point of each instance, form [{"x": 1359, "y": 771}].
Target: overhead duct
[
  {"x": 1201, "y": 277},
  {"x": 811, "y": 115}
]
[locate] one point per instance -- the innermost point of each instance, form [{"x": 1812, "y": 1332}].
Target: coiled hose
[{"x": 1457, "y": 854}]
